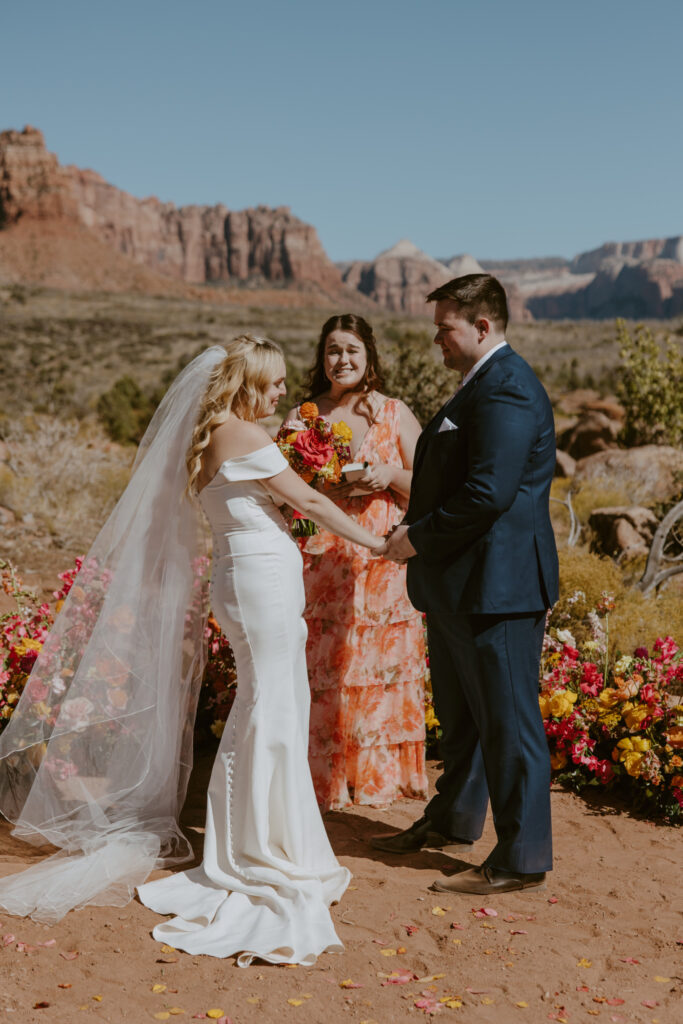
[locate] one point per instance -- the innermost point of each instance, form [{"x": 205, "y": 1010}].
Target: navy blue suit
[{"x": 485, "y": 572}]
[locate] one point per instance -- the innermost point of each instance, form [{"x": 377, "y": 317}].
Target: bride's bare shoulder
[{"x": 236, "y": 437}]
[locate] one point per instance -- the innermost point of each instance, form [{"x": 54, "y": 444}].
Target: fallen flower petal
[
  {"x": 438, "y": 912},
  {"x": 50, "y": 942},
  {"x": 552, "y": 899},
  {"x": 388, "y": 952},
  {"x": 158, "y": 988},
  {"x": 518, "y": 931},
  {"x": 659, "y": 977},
  {"x": 40, "y": 1006},
  {"x": 7, "y": 940},
  {"x": 162, "y": 1015},
  {"x": 214, "y": 1014},
  {"x": 64, "y": 984},
  {"x": 521, "y": 1004},
  {"x": 412, "y": 928},
  {"x": 650, "y": 1003},
  {"x": 295, "y": 1002},
  {"x": 583, "y": 962},
  {"x": 348, "y": 983},
  {"x": 70, "y": 956},
  {"x": 629, "y": 960},
  {"x": 615, "y": 1002}
]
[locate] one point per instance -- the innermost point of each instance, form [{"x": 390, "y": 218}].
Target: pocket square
[{"x": 446, "y": 424}]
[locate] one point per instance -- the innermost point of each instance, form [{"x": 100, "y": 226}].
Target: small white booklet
[{"x": 354, "y": 471}]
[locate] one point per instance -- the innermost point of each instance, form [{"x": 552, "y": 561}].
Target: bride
[{"x": 97, "y": 755}]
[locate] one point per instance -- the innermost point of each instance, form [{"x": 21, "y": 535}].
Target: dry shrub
[
  {"x": 590, "y": 496},
  {"x": 583, "y": 578},
  {"x": 636, "y": 620},
  {"x": 65, "y": 474}
]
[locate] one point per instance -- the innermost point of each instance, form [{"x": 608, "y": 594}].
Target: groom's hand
[{"x": 397, "y": 547}]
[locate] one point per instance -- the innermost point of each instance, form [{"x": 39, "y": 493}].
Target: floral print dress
[{"x": 365, "y": 652}]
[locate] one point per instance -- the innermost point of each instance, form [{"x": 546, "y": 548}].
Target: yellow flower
[
  {"x": 431, "y": 721},
  {"x": 635, "y": 715},
  {"x": 557, "y": 761},
  {"x": 25, "y": 645},
  {"x": 217, "y": 729},
  {"x": 41, "y": 709},
  {"x": 342, "y": 431},
  {"x": 629, "y": 752},
  {"x": 291, "y": 438},
  {"x": 608, "y": 698},
  {"x": 562, "y": 703}
]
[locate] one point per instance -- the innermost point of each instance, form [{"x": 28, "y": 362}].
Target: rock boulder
[
  {"x": 622, "y": 531},
  {"x": 647, "y": 474}
]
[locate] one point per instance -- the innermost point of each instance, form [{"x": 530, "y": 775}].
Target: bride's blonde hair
[{"x": 236, "y": 385}]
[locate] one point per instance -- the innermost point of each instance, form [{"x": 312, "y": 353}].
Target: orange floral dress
[{"x": 365, "y": 652}]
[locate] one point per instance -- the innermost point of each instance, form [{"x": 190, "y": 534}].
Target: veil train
[{"x": 97, "y": 755}]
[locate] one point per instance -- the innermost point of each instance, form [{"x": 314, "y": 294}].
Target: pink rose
[{"x": 315, "y": 452}]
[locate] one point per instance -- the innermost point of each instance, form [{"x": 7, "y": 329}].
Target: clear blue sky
[{"x": 505, "y": 129}]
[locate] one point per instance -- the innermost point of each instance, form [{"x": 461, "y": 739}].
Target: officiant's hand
[
  {"x": 398, "y": 547},
  {"x": 376, "y": 477}
]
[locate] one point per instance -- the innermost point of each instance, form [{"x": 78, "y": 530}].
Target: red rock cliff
[{"x": 196, "y": 244}]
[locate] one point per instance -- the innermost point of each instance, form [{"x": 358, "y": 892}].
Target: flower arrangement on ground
[
  {"x": 317, "y": 453},
  {"x": 614, "y": 722}
]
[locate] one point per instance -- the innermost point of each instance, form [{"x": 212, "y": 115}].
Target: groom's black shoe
[
  {"x": 421, "y": 833},
  {"x": 487, "y": 881}
]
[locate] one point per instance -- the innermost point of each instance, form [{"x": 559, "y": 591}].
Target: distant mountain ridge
[
  {"x": 194, "y": 244},
  {"x": 97, "y": 235}
]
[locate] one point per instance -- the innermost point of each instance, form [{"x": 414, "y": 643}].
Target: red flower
[
  {"x": 591, "y": 679},
  {"x": 315, "y": 452}
]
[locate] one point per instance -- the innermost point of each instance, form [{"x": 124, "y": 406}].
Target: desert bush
[
  {"x": 414, "y": 376},
  {"x": 634, "y": 620},
  {"x": 649, "y": 386},
  {"x": 65, "y": 474},
  {"x": 125, "y": 410}
]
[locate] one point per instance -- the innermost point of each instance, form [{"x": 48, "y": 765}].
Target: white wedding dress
[{"x": 269, "y": 874}]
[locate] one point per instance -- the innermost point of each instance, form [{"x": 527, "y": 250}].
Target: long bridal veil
[{"x": 97, "y": 755}]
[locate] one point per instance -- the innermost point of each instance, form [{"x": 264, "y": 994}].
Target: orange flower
[
  {"x": 675, "y": 737},
  {"x": 677, "y": 780},
  {"x": 308, "y": 411}
]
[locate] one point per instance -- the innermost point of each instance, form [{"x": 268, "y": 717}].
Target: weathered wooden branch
[
  {"x": 660, "y": 566},
  {"x": 574, "y": 524}
]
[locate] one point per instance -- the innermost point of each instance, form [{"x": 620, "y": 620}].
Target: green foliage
[
  {"x": 414, "y": 376},
  {"x": 649, "y": 386},
  {"x": 125, "y": 410}
]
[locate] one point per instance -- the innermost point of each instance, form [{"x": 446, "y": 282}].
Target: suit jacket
[{"x": 479, "y": 502}]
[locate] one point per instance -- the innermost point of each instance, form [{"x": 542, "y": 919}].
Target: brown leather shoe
[
  {"x": 420, "y": 833},
  {"x": 487, "y": 881}
]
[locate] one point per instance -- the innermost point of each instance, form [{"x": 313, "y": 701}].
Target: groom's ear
[{"x": 483, "y": 326}]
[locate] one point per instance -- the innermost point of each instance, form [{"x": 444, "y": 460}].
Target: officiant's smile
[{"x": 345, "y": 360}]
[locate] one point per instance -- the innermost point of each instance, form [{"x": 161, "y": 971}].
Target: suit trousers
[{"x": 485, "y": 671}]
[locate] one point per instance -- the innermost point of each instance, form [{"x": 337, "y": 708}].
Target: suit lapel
[{"x": 453, "y": 404}]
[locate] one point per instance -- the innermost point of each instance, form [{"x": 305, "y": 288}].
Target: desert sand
[{"x": 603, "y": 942}]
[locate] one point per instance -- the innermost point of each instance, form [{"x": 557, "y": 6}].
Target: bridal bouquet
[{"x": 317, "y": 453}]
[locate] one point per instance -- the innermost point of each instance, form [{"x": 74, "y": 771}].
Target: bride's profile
[{"x": 97, "y": 754}]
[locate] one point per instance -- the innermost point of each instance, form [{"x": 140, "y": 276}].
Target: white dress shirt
[{"x": 480, "y": 362}]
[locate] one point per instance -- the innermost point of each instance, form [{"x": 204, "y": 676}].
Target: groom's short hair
[{"x": 477, "y": 295}]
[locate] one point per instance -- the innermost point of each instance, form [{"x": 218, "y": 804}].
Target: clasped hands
[{"x": 397, "y": 546}]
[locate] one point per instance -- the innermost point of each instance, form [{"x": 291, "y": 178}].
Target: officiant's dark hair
[
  {"x": 477, "y": 295},
  {"x": 373, "y": 378}
]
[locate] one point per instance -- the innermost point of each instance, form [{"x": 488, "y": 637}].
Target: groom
[{"x": 482, "y": 564}]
